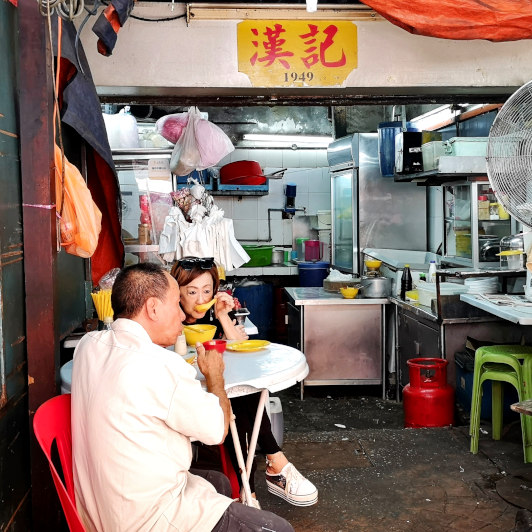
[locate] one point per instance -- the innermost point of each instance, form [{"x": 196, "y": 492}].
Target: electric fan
[{"x": 509, "y": 155}]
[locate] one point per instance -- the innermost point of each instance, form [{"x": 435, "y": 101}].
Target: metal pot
[
  {"x": 376, "y": 287},
  {"x": 277, "y": 256},
  {"x": 489, "y": 247}
]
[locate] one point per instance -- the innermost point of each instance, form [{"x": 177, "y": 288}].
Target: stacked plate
[{"x": 482, "y": 285}]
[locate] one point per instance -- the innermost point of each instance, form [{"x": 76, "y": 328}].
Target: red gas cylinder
[{"x": 428, "y": 400}]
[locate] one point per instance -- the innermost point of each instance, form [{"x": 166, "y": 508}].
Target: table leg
[
  {"x": 256, "y": 427},
  {"x": 240, "y": 460}
]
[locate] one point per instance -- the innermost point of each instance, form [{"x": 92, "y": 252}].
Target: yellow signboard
[{"x": 293, "y": 53}]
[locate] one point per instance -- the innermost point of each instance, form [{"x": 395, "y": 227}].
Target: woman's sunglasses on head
[{"x": 205, "y": 263}]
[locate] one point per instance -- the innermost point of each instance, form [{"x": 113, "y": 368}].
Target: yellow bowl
[
  {"x": 199, "y": 333},
  {"x": 373, "y": 263},
  {"x": 349, "y": 292}
]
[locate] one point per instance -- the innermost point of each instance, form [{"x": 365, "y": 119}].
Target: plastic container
[
  {"x": 459, "y": 146},
  {"x": 257, "y": 297},
  {"x": 511, "y": 259},
  {"x": 431, "y": 153},
  {"x": 427, "y": 291},
  {"x": 494, "y": 210},
  {"x": 312, "y": 273},
  {"x": 432, "y": 272},
  {"x": 387, "y": 132},
  {"x": 275, "y": 412},
  {"x": 483, "y": 208},
  {"x": 312, "y": 250},
  {"x": 300, "y": 248},
  {"x": 259, "y": 255},
  {"x": 428, "y": 400}
]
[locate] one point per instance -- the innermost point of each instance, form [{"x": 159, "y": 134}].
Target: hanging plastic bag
[
  {"x": 81, "y": 220},
  {"x": 213, "y": 143},
  {"x": 185, "y": 155},
  {"x": 122, "y": 129},
  {"x": 171, "y": 126}
]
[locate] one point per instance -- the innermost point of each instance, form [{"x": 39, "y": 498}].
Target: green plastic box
[{"x": 259, "y": 255}]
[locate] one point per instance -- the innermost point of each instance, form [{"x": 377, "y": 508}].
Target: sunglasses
[{"x": 192, "y": 262}]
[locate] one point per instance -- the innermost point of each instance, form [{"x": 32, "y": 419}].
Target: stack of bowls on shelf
[{"x": 482, "y": 285}]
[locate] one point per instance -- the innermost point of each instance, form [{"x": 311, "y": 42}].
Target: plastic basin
[{"x": 259, "y": 255}]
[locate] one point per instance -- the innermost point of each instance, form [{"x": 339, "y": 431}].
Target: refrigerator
[{"x": 368, "y": 210}]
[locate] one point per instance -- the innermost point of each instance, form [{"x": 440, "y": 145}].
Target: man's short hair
[{"x": 134, "y": 285}]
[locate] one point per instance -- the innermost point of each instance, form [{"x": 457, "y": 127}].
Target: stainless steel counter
[
  {"x": 343, "y": 339},
  {"x": 314, "y": 295}
]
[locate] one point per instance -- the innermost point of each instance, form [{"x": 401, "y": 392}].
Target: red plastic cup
[{"x": 217, "y": 345}]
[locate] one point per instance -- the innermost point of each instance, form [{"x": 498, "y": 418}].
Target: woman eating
[{"x": 198, "y": 282}]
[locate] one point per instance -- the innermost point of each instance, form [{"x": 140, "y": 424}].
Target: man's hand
[{"x": 211, "y": 364}]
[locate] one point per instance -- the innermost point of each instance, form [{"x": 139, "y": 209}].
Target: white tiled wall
[{"x": 308, "y": 169}]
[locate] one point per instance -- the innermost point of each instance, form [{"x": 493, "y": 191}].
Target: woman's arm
[{"x": 223, "y": 306}]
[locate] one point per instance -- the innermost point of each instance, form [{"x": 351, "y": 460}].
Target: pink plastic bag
[
  {"x": 213, "y": 143},
  {"x": 202, "y": 145},
  {"x": 171, "y": 126}
]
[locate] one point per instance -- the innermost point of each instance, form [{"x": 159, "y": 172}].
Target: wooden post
[{"x": 39, "y": 226}]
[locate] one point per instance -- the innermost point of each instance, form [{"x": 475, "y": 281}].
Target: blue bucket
[
  {"x": 258, "y": 299},
  {"x": 312, "y": 273},
  {"x": 387, "y": 132}
]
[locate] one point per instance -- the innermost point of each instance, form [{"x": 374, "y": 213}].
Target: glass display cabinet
[{"x": 474, "y": 223}]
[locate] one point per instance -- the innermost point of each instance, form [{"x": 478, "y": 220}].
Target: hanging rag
[
  {"x": 80, "y": 109},
  {"x": 109, "y": 22}
]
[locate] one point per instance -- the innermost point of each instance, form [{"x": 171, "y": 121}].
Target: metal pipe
[{"x": 269, "y": 239}]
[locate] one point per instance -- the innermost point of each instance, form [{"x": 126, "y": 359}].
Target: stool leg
[
  {"x": 496, "y": 409},
  {"x": 476, "y": 388},
  {"x": 474, "y": 424}
]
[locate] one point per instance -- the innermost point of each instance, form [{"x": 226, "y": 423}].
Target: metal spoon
[{"x": 205, "y": 306}]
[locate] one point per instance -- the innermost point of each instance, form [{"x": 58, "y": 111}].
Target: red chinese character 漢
[
  {"x": 309, "y": 39},
  {"x": 273, "y": 47}
]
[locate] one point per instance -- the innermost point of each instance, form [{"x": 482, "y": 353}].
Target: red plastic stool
[{"x": 229, "y": 471}]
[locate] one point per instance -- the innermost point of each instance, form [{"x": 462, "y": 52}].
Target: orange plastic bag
[{"x": 81, "y": 220}]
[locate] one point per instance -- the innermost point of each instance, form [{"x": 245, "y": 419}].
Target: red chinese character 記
[{"x": 313, "y": 58}]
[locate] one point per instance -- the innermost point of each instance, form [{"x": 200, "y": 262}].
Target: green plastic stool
[
  {"x": 521, "y": 352},
  {"x": 501, "y": 364}
]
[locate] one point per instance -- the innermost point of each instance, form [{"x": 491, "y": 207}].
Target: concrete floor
[{"x": 374, "y": 475}]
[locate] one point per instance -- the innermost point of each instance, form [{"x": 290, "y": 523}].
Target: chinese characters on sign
[{"x": 296, "y": 53}]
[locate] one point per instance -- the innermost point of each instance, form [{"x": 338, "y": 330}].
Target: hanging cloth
[
  {"x": 493, "y": 20},
  {"x": 80, "y": 109}
]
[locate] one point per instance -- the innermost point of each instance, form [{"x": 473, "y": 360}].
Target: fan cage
[{"x": 509, "y": 155}]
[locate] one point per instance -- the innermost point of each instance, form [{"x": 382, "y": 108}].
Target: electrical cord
[{"x": 66, "y": 9}]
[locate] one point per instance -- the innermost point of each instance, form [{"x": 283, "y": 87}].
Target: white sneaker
[{"x": 292, "y": 486}]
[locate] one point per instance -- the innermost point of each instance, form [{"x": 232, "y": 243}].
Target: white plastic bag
[
  {"x": 185, "y": 155},
  {"x": 122, "y": 130},
  {"x": 201, "y": 145}
]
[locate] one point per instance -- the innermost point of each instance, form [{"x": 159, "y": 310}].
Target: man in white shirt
[{"x": 136, "y": 406}]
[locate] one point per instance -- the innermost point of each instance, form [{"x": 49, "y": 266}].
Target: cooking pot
[
  {"x": 489, "y": 247},
  {"x": 277, "y": 256},
  {"x": 376, "y": 287},
  {"x": 237, "y": 172}
]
